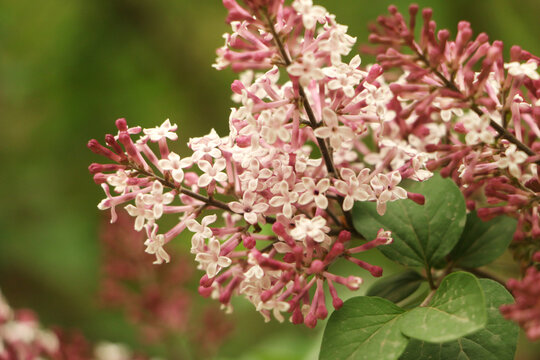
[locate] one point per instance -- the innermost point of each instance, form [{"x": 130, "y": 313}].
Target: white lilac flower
[
  {"x": 120, "y": 181},
  {"x": 477, "y": 129},
  {"x": 338, "y": 43},
  {"x": 284, "y": 198},
  {"x": 310, "y": 13},
  {"x": 511, "y": 160},
  {"x": 111, "y": 351},
  {"x": 157, "y": 199},
  {"x": 274, "y": 305},
  {"x": 314, "y": 228},
  {"x": 527, "y": 69},
  {"x": 210, "y": 260},
  {"x": 201, "y": 231},
  {"x": 250, "y": 208},
  {"x": 254, "y": 178},
  {"x": 212, "y": 172},
  {"x": 165, "y": 131},
  {"x": 205, "y": 146},
  {"x": 313, "y": 192},
  {"x": 307, "y": 70},
  {"x": 140, "y": 211},
  {"x": 175, "y": 165},
  {"x": 273, "y": 125},
  {"x": 385, "y": 188},
  {"x": 332, "y": 130},
  {"x": 154, "y": 245},
  {"x": 345, "y": 76},
  {"x": 351, "y": 188}
]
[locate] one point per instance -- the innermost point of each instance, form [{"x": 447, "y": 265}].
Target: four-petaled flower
[
  {"x": 157, "y": 199},
  {"x": 512, "y": 160},
  {"x": 313, "y": 192},
  {"x": 285, "y": 199},
  {"x": 140, "y": 211},
  {"x": 352, "y": 187},
  {"x": 175, "y": 165},
  {"x": 205, "y": 146},
  {"x": 386, "y": 189},
  {"x": 248, "y": 207},
  {"x": 120, "y": 181},
  {"x": 314, "y": 228},
  {"x": 527, "y": 69},
  {"x": 385, "y": 235},
  {"x": 332, "y": 131},
  {"x": 201, "y": 231},
  {"x": 273, "y": 125},
  {"x": 166, "y": 130},
  {"x": 154, "y": 245},
  {"x": 307, "y": 70},
  {"x": 310, "y": 13},
  {"x": 211, "y": 260},
  {"x": 346, "y": 77},
  {"x": 212, "y": 172}
]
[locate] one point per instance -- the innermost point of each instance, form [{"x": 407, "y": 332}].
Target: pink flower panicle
[
  {"x": 526, "y": 309},
  {"x": 265, "y": 172},
  {"x": 475, "y": 116},
  {"x": 22, "y": 336}
]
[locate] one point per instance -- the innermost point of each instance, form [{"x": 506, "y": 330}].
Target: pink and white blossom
[
  {"x": 250, "y": 207},
  {"x": 156, "y": 198},
  {"x": 212, "y": 172},
  {"x": 315, "y": 229},
  {"x": 175, "y": 165},
  {"x": 165, "y": 131},
  {"x": 210, "y": 260},
  {"x": 313, "y": 192}
]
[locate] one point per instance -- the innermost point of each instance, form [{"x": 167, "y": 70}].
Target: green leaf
[
  {"x": 457, "y": 309},
  {"x": 483, "y": 241},
  {"x": 423, "y": 234},
  {"x": 366, "y": 328},
  {"x": 496, "y": 342},
  {"x": 397, "y": 287}
]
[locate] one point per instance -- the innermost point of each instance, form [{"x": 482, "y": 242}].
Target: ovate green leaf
[
  {"x": 457, "y": 309},
  {"x": 423, "y": 234},
  {"x": 483, "y": 241},
  {"x": 496, "y": 342},
  {"x": 365, "y": 328}
]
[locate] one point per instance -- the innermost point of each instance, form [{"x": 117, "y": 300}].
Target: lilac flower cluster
[
  {"x": 475, "y": 116},
  {"x": 21, "y": 335},
  {"x": 295, "y": 161},
  {"x": 526, "y": 310}
]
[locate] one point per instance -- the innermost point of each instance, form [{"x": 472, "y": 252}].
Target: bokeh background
[{"x": 68, "y": 69}]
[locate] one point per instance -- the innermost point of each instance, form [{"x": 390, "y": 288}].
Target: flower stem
[{"x": 209, "y": 201}]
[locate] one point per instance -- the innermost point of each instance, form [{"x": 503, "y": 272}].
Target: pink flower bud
[
  {"x": 316, "y": 267},
  {"x": 417, "y": 198},
  {"x": 248, "y": 241}
]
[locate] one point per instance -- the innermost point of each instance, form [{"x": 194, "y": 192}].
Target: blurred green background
[{"x": 68, "y": 69}]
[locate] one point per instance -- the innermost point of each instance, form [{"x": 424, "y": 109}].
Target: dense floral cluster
[
  {"x": 155, "y": 299},
  {"x": 526, "y": 310},
  {"x": 21, "y": 335},
  {"x": 478, "y": 119},
  {"x": 312, "y": 134},
  {"x": 476, "y": 116},
  {"x": 267, "y": 171}
]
